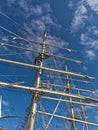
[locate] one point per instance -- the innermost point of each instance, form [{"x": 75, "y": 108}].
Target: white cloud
[
  {"x": 93, "y": 4},
  {"x": 90, "y": 41},
  {"x": 39, "y": 24},
  {"x": 70, "y": 4},
  {"x": 96, "y": 116},
  {"x": 21, "y": 3},
  {"x": 38, "y": 17},
  {"x": 43, "y": 23},
  {"x": 91, "y": 54},
  {"x": 5, "y": 103},
  {"x": 84, "y": 68},
  {"x": 80, "y": 16},
  {"x": 93, "y": 30},
  {"x": 37, "y": 11},
  {"x": 10, "y": 2}
]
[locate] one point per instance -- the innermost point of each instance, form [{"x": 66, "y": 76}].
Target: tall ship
[{"x": 43, "y": 92}]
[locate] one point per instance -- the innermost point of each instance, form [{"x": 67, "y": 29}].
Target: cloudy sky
[{"x": 74, "y": 22}]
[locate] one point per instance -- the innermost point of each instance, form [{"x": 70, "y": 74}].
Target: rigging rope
[
  {"x": 25, "y": 31},
  {"x": 24, "y": 120},
  {"x": 45, "y": 118},
  {"x": 58, "y": 100}
]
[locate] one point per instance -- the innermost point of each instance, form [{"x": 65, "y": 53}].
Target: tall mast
[
  {"x": 70, "y": 99},
  {"x": 37, "y": 90},
  {"x": 39, "y": 60}
]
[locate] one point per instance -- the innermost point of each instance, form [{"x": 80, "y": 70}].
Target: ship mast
[
  {"x": 70, "y": 99},
  {"x": 38, "y": 60},
  {"x": 37, "y": 90}
]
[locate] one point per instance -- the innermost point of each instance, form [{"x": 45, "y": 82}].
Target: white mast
[
  {"x": 38, "y": 90},
  {"x": 31, "y": 123},
  {"x": 71, "y": 104}
]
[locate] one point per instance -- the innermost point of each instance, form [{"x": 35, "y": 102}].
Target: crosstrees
[
  {"x": 52, "y": 55},
  {"x": 16, "y": 36},
  {"x": 47, "y": 69},
  {"x": 70, "y": 119},
  {"x": 32, "y": 89}
]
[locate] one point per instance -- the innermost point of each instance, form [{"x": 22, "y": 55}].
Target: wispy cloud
[
  {"x": 70, "y": 4},
  {"x": 90, "y": 41},
  {"x": 5, "y": 103},
  {"x": 43, "y": 20},
  {"x": 90, "y": 54},
  {"x": 37, "y": 11},
  {"x": 5, "y": 107},
  {"x": 93, "y": 4},
  {"x": 37, "y": 17},
  {"x": 10, "y": 2},
  {"x": 96, "y": 116},
  {"x": 79, "y": 18},
  {"x": 84, "y": 68}
]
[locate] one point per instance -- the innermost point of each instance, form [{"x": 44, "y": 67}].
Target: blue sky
[{"x": 74, "y": 22}]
